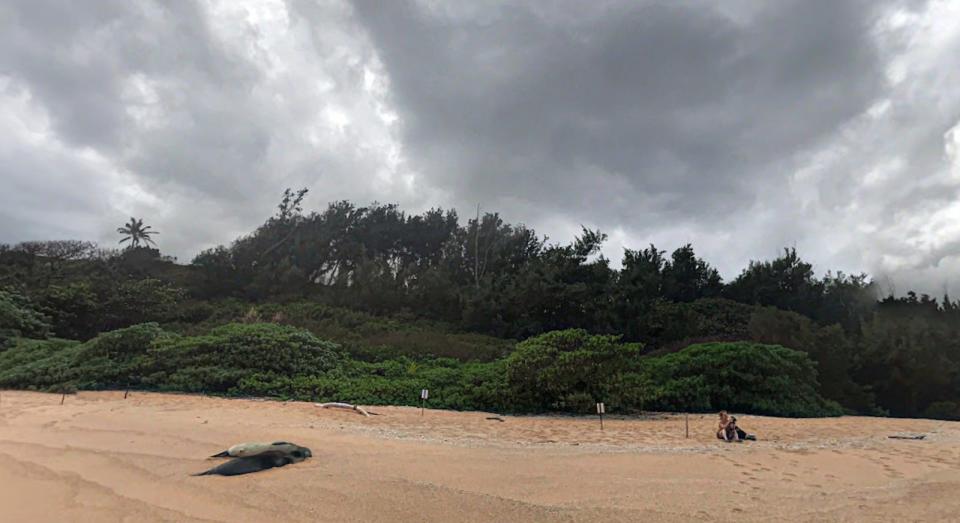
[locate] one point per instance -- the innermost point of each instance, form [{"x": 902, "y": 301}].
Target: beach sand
[{"x": 99, "y": 457}]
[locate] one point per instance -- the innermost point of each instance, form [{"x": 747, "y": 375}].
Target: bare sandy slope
[{"x": 101, "y": 458}]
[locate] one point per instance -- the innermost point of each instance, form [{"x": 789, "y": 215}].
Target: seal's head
[{"x": 299, "y": 454}]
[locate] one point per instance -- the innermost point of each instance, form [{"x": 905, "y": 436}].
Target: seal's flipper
[{"x": 224, "y": 454}]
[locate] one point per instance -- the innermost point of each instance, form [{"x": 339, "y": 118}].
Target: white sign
[
  {"x": 600, "y": 408},
  {"x": 424, "y": 394}
]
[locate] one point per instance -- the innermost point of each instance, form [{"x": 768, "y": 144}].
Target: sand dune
[{"x": 99, "y": 457}]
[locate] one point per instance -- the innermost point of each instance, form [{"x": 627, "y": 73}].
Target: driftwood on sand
[
  {"x": 344, "y": 406},
  {"x": 908, "y": 436}
]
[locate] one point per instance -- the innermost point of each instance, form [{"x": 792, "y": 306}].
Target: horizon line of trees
[{"x": 901, "y": 354}]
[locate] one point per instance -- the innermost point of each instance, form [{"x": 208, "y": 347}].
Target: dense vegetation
[{"x": 369, "y": 304}]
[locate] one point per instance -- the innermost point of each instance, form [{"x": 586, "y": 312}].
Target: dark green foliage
[
  {"x": 361, "y": 335},
  {"x": 568, "y": 370},
  {"x": 787, "y": 283},
  {"x": 452, "y": 385},
  {"x": 948, "y": 410},
  {"x": 116, "y": 359},
  {"x": 19, "y": 317},
  {"x": 138, "y": 301},
  {"x": 741, "y": 376},
  {"x": 836, "y": 357},
  {"x": 911, "y": 355},
  {"x": 218, "y": 361},
  {"x": 38, "y": 364},
  {"x": 74, "y": 309},
  {"x": 386, "y": 285},
  {"x": 687, "y": 278}
]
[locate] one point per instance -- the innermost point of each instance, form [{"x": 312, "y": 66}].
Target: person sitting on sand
[
  {"x": 727, "y": 428},
  {"x": 738, "y": 432}
]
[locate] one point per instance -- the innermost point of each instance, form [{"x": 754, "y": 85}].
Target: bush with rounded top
[
  {"x": 218, "y": 361},
  {"x": 739, "y": 376},
  {"x": 557, "y": 370}
]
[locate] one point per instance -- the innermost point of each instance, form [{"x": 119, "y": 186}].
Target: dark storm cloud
[
  {"x": 675, "y": 101},
  {"x": 200, "y": 114},
  {"x": 740, "y": 126}
]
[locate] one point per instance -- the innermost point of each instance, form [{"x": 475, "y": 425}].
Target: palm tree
[{"x": 135, "y": 232}]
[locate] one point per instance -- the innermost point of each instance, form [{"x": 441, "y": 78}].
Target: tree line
[{"x": 873, "y": 354}]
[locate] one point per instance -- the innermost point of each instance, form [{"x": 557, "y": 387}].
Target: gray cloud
[
  {"x": 668, "y": 100},
  {"x": 742, "y": 127}
]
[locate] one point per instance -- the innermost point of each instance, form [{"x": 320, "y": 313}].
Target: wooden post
[
  {"x": 600, "y": 411},
  {"x": 686, "y": 424},
  {"x": 125, "y": 393},
  {"x": 63, "y": 396}
]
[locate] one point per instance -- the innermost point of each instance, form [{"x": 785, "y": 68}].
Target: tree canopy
[{"x": 432, "y": 285}]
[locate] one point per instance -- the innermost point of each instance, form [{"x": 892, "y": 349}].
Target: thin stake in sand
[
  {"x": 600, "y": 411},
  {"x": 424, "y": 394}
]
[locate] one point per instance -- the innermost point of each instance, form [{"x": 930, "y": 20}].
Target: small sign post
[
  {"x": 600, "y": 411},
  {"x": 424, "y": 394},
  {"x": 686, "y": 424}
]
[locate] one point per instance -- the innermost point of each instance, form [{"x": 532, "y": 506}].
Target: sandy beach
[{"x": 99, "y": 457}]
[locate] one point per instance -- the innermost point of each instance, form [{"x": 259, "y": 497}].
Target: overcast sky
[{"x": 740, "y": 126}]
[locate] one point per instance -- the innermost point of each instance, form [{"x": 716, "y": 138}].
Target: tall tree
[
  {"x": 136, "y": 232},
  {"x": 787, "y": 283},
  {"x": 687, "y": 278}
]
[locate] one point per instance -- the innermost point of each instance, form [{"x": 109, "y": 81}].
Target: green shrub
[
  {"x": 948, "y": 410},
  {"x": 74, "y": 309},
  {"x": 218, "y": 361},
  {"x": 473, "y": 386},
  {"x": 19, "y": 318},
  {"x": 361, "y": 335},
  {"x": 563, "y": 370},
  {"x": 557, "y": 370},
  {"x": 117, "y": 359},
  {"x": 38, "y": 364},
  {"x": 740, "y": 376}
]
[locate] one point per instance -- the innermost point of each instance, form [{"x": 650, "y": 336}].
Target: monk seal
[
  {"x": 241, "y": 450},
  {"x": 262, "y": 461}
]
